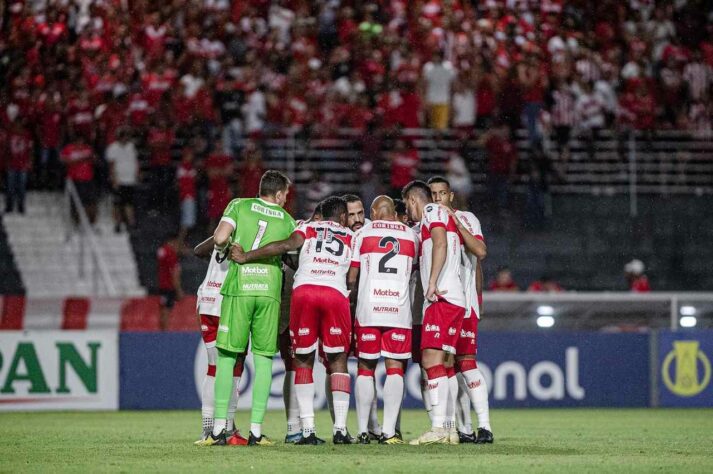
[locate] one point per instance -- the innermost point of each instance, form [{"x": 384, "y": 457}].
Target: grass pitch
[{"x": 578, "y": 440}]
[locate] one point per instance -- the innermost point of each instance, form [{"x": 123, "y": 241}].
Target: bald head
[{"x": 383, "y": 209}]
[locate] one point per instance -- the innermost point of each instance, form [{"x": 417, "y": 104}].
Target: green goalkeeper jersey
[{"x": 257, "y": 223}]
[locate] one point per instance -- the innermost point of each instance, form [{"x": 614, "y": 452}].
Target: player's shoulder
[{"x": 468, "y": 215}]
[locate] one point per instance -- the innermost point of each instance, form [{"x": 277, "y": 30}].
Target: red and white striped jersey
[
  {"x": 209, "y": 297},
  {"x": 384, "y": 251},
  {"x": 563, "y": 112},
  {"x": 325, "y": 255},
  {"x": 470, "y": 262},
  {"x": 449, "y": 279}
]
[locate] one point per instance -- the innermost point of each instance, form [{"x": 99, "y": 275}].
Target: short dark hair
[
  {"x": 349, "y": 198},
  {"x": 400, "y": 207},
  {"x": 417, "y": 186},
  {"x": 317, "y": 210},
  {"x": 333, "y": 207},
  {"x": 273, "y": 181},
  {"x": 439, "y": 179}
]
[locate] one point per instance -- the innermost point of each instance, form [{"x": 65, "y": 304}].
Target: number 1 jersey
[
  {"x": 256, "y": 223},
  {"x": 384, "y": 251}
]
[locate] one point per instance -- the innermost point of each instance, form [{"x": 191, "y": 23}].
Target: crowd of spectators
[{"x": 181, "y": 81}]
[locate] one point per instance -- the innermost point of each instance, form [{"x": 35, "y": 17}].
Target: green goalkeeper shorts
[{"x": 243, "y": 318}]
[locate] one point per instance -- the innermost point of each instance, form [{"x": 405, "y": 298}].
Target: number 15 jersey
[
  {"x": 325, "y": 255},
  {"x": 384, "y": 251}
]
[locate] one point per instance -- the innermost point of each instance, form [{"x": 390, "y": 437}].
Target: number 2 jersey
[
  {"x": 449, "y": 280},
  {"x": 256, "y": 223},
  {"x": 209, "y": 297},
  {"x": 470, "y": 262},
  {"x": 385, "y": 252},
  {"x": 325, "y": 255}
]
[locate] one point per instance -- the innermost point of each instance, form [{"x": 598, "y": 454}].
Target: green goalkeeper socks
[
  {"x": 261, "y": 387},
  {"x": 223, "y": 382}
]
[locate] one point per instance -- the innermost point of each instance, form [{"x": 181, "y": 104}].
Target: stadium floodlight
[
  {"x": 688, "y": 322},
  {"x": 688, "y": 310},
  {"x": 545, "y": 310},
  {"x": 545, "y": 321}
]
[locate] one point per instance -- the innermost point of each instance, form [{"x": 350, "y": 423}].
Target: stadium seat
[
  {"x": 13, "y": 312},
  {"x": 183, "y": 315},
  {"x": 74, "y": 313},
  {"x": 141, "y": 314}
]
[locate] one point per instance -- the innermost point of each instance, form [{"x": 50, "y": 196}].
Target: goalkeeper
[{"x": 250, "y": 311}]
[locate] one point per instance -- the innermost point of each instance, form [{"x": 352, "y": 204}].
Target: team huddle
[{"x": 410, "y": 276}]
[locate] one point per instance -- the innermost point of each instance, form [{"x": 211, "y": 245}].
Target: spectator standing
[
  {"x": 250, "y": 171},
  {"x": 219, "y": 168},
  {"x": 533, "y": 82},
  {"x": 458, "y": 176},
  {"x": 160, "y": 141},
  {"x": 404, "y": 161},
  {"x": 124, "y": 175},
  {"x": 562, "y": 100},
  {"x": 317, "y": 190},
  {"x": 79, "y": 159},
  {"x": 49, "y": 130},
  {"x": 438, "y": 75},
  {"x": 590, "y": 116},
  {"x": 186, "y": 179},
  {"x": 169, "y": 277},
  {"x": 501, "y": 160},
  {"x": 19, "y": 153},
  {"x": 464, "y": 107}
]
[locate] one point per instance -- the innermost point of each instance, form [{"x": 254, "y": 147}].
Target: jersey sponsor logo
[
  {"x": 385, "y": 309},
  {"x": 335, "y": 331},
  {"x": 368, "y": 337},
  {"x": 386, "y": 293},
  {"x": 320, "y": 272},
  {"x": 266, "y": 211},
  {"x": 255, "y": 287},
  {"x": 326, "y": 260},
  {"x": 387, "y": 225},
  {"x": 468, "y": 334},
  {"x": 253, "y": 271},
  {"x": 303, "y": 332},
  {"x": 214, "y": 284},
  {"x": 398, "y": 337},
  {"x": 223, "y": 328},
  {"x": 432, "y": 328},
  {"x": 451, "y": 331},
  {"x": 208, "y": 299},
  {"x": 432, "y": 385}
]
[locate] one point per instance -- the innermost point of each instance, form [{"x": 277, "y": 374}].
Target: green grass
[{"x": 578, "y": 440}]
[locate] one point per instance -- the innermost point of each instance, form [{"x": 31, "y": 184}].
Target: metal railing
[
  {"x": 91, "y": 260},
  {"x": 615, "y": 311},
  {"x": 632, "y": 163}
]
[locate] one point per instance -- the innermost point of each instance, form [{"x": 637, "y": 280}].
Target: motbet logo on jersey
[
  {"x": 214, "y": 284},
  {"x": 58, "y": 370},
  {"x": 324, "y": 261},
  {"x": 249, "y": 271},
  {"x": 386, "y": 293}
]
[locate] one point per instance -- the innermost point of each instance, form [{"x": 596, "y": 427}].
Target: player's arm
[
  {"x": 221, "y": 236},
  {"x": 295, "y": 241},
  {"x": 291, "y": 259},
  {"x": 479, "y": 285},
  {"x": 472, "y": 243},
  {"x": 352, "y": 278},
  {"x": 204, "y": 249},
  {"x": 440, "y": 249}
]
